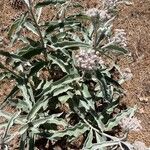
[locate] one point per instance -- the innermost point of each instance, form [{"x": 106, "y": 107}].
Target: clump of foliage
[{"x": 64, "y": 88}]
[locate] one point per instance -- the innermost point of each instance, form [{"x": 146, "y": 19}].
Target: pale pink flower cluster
[
  {"x": 138, "y": 145},
  {"x": 104, "y": 15},
  {"x": 110, "y": 4},
  {"x": 88, "y": 60},
  {"x": 130, "y": 124},
  {"x": 119, "y": 37},
  {"x": 94, "y": 13},
  {"x": 127, "y": 74}
]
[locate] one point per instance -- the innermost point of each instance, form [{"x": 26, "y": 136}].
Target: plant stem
[
  {"x": 39, "y": 32},
  {"x": 37, "y": 26},
  {"x": 95, "y": 39}
]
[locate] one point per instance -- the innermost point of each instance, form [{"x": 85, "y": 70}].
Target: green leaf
[
  {"x": 3, "y": 125},
  {"x": 61, "y": 90},
  {"x": 5, "y": 114},
  {"x": 17, "y": 26},
  {"x": 29, "y": 41},
  {"x": 63, "y": 99},
  {"x": 68, "y": 79},
  {"x": 20, "y": 104},
  {"x": 116, "y": 48},
  {"x": 99, "y": 122},
  {"x": 128, "y": 145},
  {"x": 23, "y": 141},
  {"x": 31, "y": 28},
  {"x": 27, "y": 93},
  {"x": 8, "y": 116},
  {"x": 77, "y": 4},
  {"x": 114, "y": 82},
  {"x": 2, "y": 66},
  {"x": 78, "y": 16},
  {"x": 110, "y": 108},
  {"x": 38, "y": 13},
  {"x": 85, "y": 91},
  {"x": 35, "y": 123},
  {"x": 72, "y": 132},
  {"x": 99, "y": 138},
  {"x": 58, "y": 37},
  {"x": 104, "y": 86},
  {"x": 53, "y": 119},
  {"x": 11, "y": 55},
  {"x": 10, "y": 123},
  {"x": 71, "y": 44},
  {"x": 102, "y": 145},
  {"x": 13, "y": 92},
  {"x": 37, "y": 67},
  {"x": 27, "y": 2},
  {"x": 63, "y": 65},
  {"x": 13, "y": 28},
  {"x": 31, "y": 52},
  {"x": 49, "y": 2},
  {"x": 52, "y": 26},
  {"x": 31, "y": 141},
  {"x": 35, "y": 108},
  {"x": 101, "y": 36},
  {"x": 4, "y": 75}
]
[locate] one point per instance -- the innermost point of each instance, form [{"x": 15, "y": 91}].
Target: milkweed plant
[{"x": 64, "y": 85}]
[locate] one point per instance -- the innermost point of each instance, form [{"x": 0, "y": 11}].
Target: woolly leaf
[
  {"x": 89, "y": 139},
  {"x": 49, "y": 2},
  {"x": 115, "y": 120},
  {"x": 72, "y": 132},
  {"x": 71, "y": 44},
  {"x": 116, "y": 48},
  {"x": 63, "y": 65}
]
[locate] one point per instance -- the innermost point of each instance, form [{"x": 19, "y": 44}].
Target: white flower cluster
[
  {"x": 130, "y": 124},
  {"x": 94, "y": 13},
  {"x": 88, "y": 60},
  {"x": 120, "y": 37}
]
